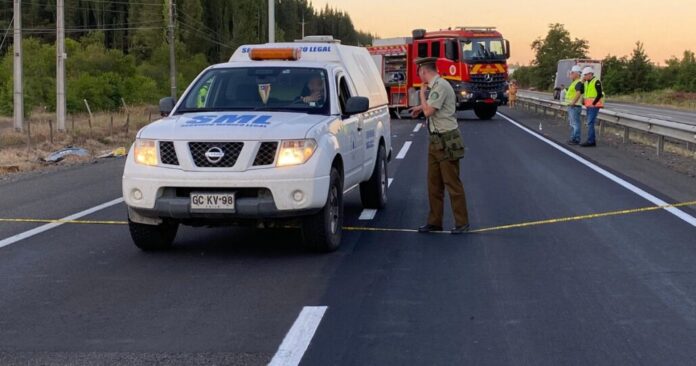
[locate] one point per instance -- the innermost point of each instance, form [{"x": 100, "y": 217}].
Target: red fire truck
[{"x": 472, "y": 59}]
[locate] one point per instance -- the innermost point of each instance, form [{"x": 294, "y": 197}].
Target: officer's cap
[{"x": 426, "y": 61}]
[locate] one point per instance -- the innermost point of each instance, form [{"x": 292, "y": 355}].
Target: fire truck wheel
[{"x": 485, "y": 112}]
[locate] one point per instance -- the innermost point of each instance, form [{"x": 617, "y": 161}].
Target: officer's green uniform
[{"x": 444, "y": 152}]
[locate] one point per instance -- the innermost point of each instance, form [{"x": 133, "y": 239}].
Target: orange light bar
[{"x": 260, "y": 54}]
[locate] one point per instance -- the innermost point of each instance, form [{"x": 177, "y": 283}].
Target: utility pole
[
  {"x": 303, "y": 25},
  {"x": 172, "y": 50},
  {"x": 18, "y": 72},
  {"x": 271, "y": 21},
  {"x": 60, "y": 65}
]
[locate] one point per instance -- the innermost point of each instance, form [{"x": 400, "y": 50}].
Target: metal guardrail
[{"x": 660, "y": 128}]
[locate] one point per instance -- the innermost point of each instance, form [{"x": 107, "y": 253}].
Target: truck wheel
[
  {"x": 373, "y": 193},
  {"x": 485, "y": 111},
  {"x": 153, "y": 237},
  {"x": 322, "y": 231}
]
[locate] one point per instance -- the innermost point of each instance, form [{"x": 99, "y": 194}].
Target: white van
[{"x": 276, "y": 135}]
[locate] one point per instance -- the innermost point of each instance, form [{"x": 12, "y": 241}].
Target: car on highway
[{"x": 273, "y": 137}]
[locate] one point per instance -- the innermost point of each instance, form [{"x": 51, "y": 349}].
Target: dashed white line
[
  {"x": 389, "y": 182},
  {"x": 367, "y": 214},
  {"x": 658, "y": 202},
  {"x": 299, "y": 336},
  {"x": 44, "y": 228},
  {"x": 404, "y": 150},
  {"x": 417, "y": 128}
]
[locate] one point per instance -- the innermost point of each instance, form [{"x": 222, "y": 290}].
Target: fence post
[
  {"x": 89, "y": 110},
  {"x": 72, "y": 124},
  {"x": 660, "y": 145},
  {"x": 127, "y": 124},
  {"x": 626, "y": 135},
  {"x": 111, "y": 127},
  {"x": 28, "y": 134},
  {"x": 50, "y": 130}
]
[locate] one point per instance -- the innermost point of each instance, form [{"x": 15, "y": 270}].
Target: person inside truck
[{"x": 313, "y": 93}]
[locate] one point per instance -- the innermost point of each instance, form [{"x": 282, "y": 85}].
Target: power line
[
  {"x": 6, "y": 33},
  {"x": 87, "y": 30},
  {"x": 203, "y": 35},
  {"x": 188, "y": 18}
]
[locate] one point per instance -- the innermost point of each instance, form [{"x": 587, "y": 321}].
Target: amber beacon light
[{"x": 260, "y": 54}]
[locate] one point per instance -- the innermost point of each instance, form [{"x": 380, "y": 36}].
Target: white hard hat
[
  {"x": 587, "y": 70},
  {"x": 576, "y": 68}
]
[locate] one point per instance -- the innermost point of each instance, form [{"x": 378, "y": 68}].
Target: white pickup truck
[{"x": 273, "y": 137}]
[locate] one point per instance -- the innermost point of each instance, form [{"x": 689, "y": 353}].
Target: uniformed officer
[{"x": 445, "y": 149}]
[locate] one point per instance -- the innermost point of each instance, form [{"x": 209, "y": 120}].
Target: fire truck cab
[{"x": 472, "y": 59}]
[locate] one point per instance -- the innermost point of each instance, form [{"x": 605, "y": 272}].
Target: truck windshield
[
  {"x": 483, "y": 49},
  {"x": 289, "y": 89}
]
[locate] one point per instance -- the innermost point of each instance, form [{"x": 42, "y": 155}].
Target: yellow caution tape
[{"x": 396, "y": 230}]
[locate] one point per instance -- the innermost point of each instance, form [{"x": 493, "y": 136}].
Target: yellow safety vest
[
  {"x": 591, "y": 94},
  {"x": 571, "y": 93},
  {"x": 202, "y": 96}
]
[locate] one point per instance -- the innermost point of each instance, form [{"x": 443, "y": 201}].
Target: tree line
[
  {"x": 634, "y": 73},
  {"x": 118, "y": 49}
]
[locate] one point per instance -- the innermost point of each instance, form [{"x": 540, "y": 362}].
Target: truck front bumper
[{"x": 165, "y": 193}]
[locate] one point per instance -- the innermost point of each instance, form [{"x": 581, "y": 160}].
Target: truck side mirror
[
  {"x": 507, "y": 49},
  {"x": 166, "y": 105},
  {"x": 356, "y": 105}
]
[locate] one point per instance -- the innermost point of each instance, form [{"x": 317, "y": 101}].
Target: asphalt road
[
  {"x": 609, "y": 291},
  {"x": 668, "y": 114}
]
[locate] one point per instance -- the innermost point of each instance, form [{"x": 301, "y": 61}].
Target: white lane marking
[
  {"x": 404, "y": 150},
  {"x": 389, "y": 182},
  {"x": 299, "y": 336},
  {"x": 368, "y": 214},
  {"x": 417, "y": 128},
  {"x": 44, "y": 228},
  {"x": 658, "y": 202}
]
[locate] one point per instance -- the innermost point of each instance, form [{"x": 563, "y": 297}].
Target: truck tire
[
  {"x": 485, "y": 111},
  {"x": 153, "y": 237},
  {"x": 322, "y": 231},
  {"x": 373, "y": 193}
]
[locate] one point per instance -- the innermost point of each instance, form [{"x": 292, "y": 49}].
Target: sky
[{"x": 666, "y": 27}]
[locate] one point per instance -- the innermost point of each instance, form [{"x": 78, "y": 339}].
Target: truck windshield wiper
[{"x": 203, "y": 110}]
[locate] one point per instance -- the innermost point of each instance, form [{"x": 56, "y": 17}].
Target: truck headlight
[
  {"x": 145, "y": 152},
  {"x": 296, "y": 152},
  {"x": 465, "y": 94}
]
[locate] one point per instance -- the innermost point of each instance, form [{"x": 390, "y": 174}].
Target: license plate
[
  {"x": 212, "y": 202},
  {"x": 494, "y": 95}
]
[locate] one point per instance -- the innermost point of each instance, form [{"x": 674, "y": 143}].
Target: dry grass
[
  {"x": 666, "y": 97},
  {"x": 22, "y": 151}
]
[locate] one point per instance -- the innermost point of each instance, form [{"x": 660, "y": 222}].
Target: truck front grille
[
  {"x": 168, "y": 153},
  {"x": 481, "y": 83},
  {"x": 230, "y": 153},
  {"x": 266, "y": 154}
]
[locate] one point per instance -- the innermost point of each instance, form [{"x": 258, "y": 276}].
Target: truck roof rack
[{"x": 318, "y": 39}]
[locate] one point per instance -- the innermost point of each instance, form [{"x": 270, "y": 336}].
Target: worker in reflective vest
[
  {"x": 573, "y": 100},
  {"x": 202, "y": 95},
  {"x": 594, "y": 100}
]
